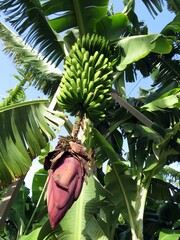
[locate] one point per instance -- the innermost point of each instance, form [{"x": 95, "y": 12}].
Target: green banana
[
  {"x": 64, "y": 99},
  {"x": 85, "y": 58},
  {"x": 75, "y": 110},
  {"x": 91, "y": 86},
  {"x": 94, "y": 43},
  {"x": 74, "y": 61},
  {"x": 99, "y": 62},
  {"x": 97, "y": 74},
  {"x": 78, "y": 54},
  {"x": 71, "y": 81},
  {"x": 105, "y": 77},
  {"x": 70, "y": 94},
  {"x": 91, "y": 60},
  {"x": 90, "y": 73},
  {"x": 79, "y": 88},
  {"x": 86, "y": 67},
  {"x": 82, "y": 41},
  {"x": 73, "y": 70},
  {"x": 69, "y": 73},
  {"x": 86, "y": 83},
  {"x": 88, "y": 99},
  {"x": 100, "y": 98},
  {"x": 97, "y": 81},
  {"x": 95, "y": 57},
  {"x": 68, "y": 60},
  {"x": 94, "y": 105},
  {"x": 95, "y": 115}
]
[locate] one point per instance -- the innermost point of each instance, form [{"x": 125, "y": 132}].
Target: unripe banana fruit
[{"x": 86, "y": 84}]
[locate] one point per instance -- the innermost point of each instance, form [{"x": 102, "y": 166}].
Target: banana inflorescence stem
[{"x": 77, "y": 125}]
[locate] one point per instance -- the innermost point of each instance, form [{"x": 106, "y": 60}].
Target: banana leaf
[
  {"x": 26, "y": 128},
  {"x": 137, "y": 47},
  {"x": 41, "y": 73},
  {"x": 45, "y": 20}
]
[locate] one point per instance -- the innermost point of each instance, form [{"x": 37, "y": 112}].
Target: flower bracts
[{"x": 68, "y": 168}]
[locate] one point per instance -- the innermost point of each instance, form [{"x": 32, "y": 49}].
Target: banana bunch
[{"x": 86, "y": 84}]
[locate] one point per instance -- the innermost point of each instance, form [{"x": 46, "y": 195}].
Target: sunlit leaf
[
  {"x": 25, "y": 130},
  {"x": 69, "y": 14},
  {"x": 136, "y": 47},
  {"x": 37, "y": 70},
  {"x": 112, "y": 26},
  {"x": 168, "y": 150},
  {"x": 39, "y": 180},
  {"x": 33, "y": 235},
  {"x": 28, "y": 14},
  {"x": 94, "y": 230},
  {"x": 173, "y": 26},
  {"x": 123, "y": 190},
  {"x": 167, "y": 234},
  {"x": 105, "y": 148},
  {"x": 168, "y": 100},
  {"x": 116, "y": 179}
]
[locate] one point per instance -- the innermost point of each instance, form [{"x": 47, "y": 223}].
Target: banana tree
[{"x": 101, "y": 50}]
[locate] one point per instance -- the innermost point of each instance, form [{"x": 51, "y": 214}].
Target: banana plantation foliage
[{"x": 108, "y": 172}]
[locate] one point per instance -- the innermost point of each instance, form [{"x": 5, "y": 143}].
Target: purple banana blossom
[{"x": 68, "y": 167}]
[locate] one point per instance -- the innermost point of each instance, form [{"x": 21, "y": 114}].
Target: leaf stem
[
  {"x": 36, "y": 208},
  {"x": 77, "y": 125},
  {"x": 54, "y": 100},
  {"x": 78, "y": 13},
  {"x": 142, "y": 191},
  {"x": 131, "y": 222},
  {"x": 131, "y": 157},
  {"x": 137, "y": 114}
]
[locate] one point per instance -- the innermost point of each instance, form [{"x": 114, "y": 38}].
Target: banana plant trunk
[{"x": 142, "y": 190}]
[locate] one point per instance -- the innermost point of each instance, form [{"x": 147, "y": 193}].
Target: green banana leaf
[
  {"x": 116, "y": 180},
  {"x": 137, "y": 47},
  {"x": 168, "y": 150},
  {"x": 18, "y": 214},
  {"x": 168, "y": 100},
  {"x": 82, "y": 14},
  {"x": 25, "y": 55},
  {"x": 26, "y": 128},
  {"x": 172, "y": 27},
  {"x": 93, "y": 225},
  {"x": 112, "y": 26},
  {"x": 42, "y": 74},
  {"x": 39, "y": 180},
  {"x": 167, "y": 234},
  {"x": 43, "y": 24},
  {"x": 153, "y": 6},
  {"x": 122, "y": 196},
  {"x": 28, "y": 14},
  {"x": 33, "y": 235},
  {"x": 17, "y": 94}
]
